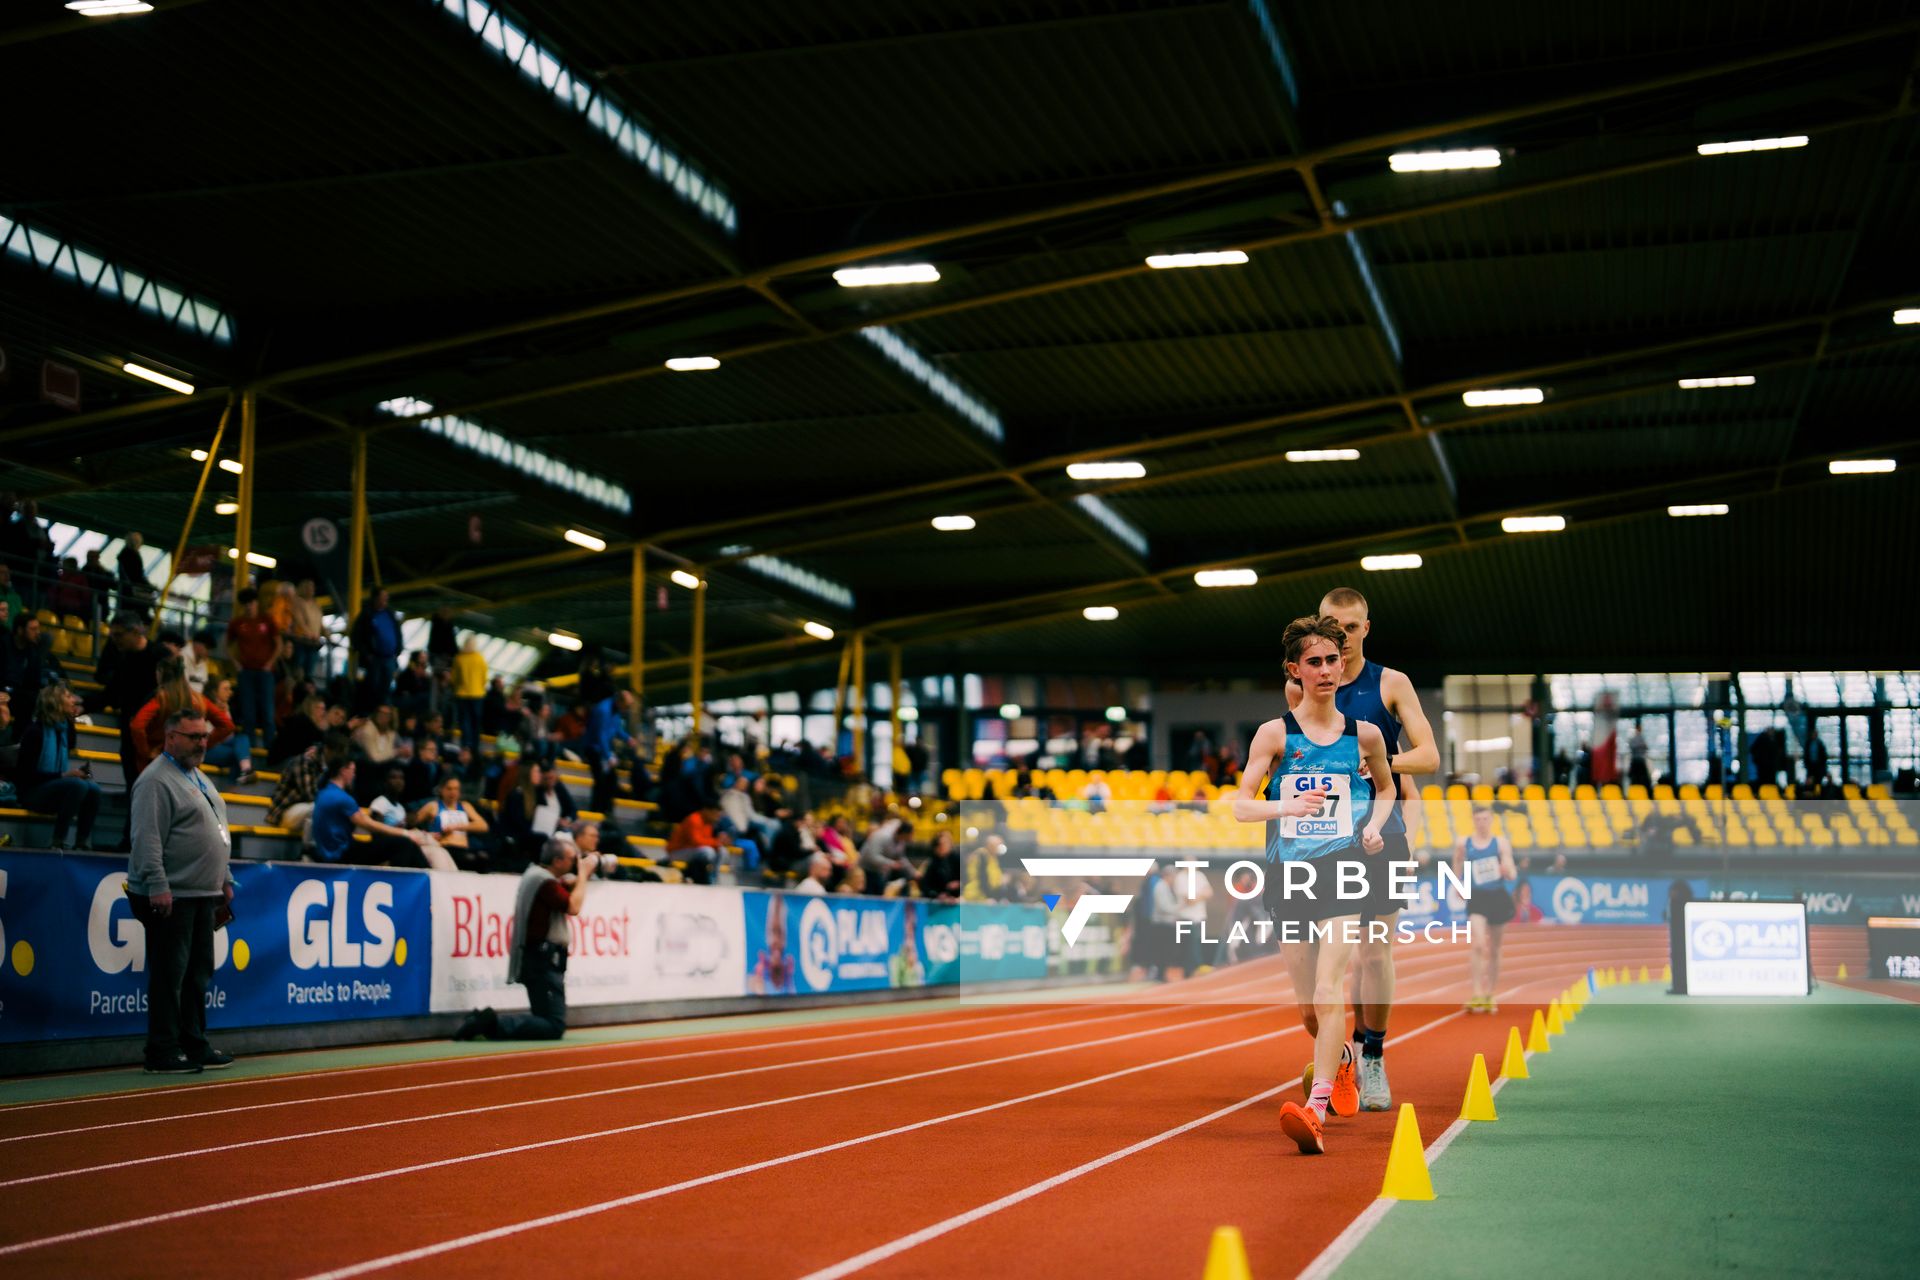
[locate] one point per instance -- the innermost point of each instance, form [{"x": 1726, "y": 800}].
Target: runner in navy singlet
[{"x": 1385, "y": 699}]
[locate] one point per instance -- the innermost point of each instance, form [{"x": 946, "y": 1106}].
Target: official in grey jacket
[{"x": 181, "y": 886}]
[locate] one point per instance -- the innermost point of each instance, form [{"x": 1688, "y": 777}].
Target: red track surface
[{"x": 778, "y": 1152}]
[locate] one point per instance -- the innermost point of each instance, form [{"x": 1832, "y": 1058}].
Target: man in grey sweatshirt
[{"x": 180, "y": 883}]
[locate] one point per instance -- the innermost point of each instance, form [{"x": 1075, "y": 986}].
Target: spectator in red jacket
[
  {"x": 695, "y": 842},
  {"x": 253, "y": 642}
]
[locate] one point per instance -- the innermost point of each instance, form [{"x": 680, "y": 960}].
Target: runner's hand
[
  {"x": 1302, "y": 804},
  {"x": 1370, "y": 841}
]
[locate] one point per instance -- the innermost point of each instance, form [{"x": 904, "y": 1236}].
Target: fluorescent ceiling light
[
  {"x": 107, "y": 8},
  {"x": 258, "y": 558},
  {"x": 1698, "y": 509},
  {"x": 1009, "y": 711},
  {"x": 158, "y": 378},
  {"x": 226, "y": 508},
  {"x": 1735, "y": 380},
  {"x": 1488, "y": 744},
  {"x": 1380, "y": 564},
  {"x": 1099, "y": 613},
  {"x": 198, "y": 455},
  {"x": 901, "y": 273},
  {"x": 693, "y": 364},
  {"x": 1907, "y": 315},
  {"x": 1432, "y": 161},
  {"x": 1217, "y": 258},
  {"x": 231, "y": 464},
  {"x": 1534, "y": 524},
  {"x": 581, "y": 538},
  {"x": 1490, "y": 396},
  {"x": 818, "y": 630},
  {"x": 1116, "y": 714},
  {"x": 1751, "y": 144},
  {"x": 905, "y": 356},
  {"x": 1226, "y": 577},
  {"x": 492, "y": 445},
  {"x": 682, "y": 578},
  {"x": 1860, "y": 466},
  {"x": 561, "y": 640},
  {"x": 952, "y": 524},
  {"x": 1323, "y": 455},
  {"x": 1106, "y": 470}
]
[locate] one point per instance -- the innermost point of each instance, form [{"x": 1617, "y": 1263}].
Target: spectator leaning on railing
[{"x": 181, "y": 885}]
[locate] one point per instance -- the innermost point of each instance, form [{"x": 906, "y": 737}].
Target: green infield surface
[{"x": 1666, "y": 1137}]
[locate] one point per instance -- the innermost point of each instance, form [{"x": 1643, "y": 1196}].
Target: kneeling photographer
[{"x": 541, "y": 910}]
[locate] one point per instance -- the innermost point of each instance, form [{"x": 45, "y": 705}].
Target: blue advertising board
[
  {"x": 803, "y": 944},
  {"x": 982, "y": 942},
  {"x": 308, "y": 943}
]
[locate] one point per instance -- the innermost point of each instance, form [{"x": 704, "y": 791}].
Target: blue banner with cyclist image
[
  {"x": 307, "y": 944},
  {"x": 800, "y": 944}
]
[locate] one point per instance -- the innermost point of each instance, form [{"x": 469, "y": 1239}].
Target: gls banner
[
  {"x": 631, "y": 943},
  {"x": 308, "y": 944}
]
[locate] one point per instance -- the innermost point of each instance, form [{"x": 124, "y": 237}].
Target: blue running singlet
[{"x": 1332, "y": 770}]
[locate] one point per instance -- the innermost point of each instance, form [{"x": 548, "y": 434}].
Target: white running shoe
[{"x": 1374, "y": 1094}]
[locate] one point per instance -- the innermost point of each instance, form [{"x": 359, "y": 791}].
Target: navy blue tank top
[{"x": 1361, "y": 700}]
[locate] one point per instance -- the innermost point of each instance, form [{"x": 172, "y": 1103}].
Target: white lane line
[
  {"x": 1343, "y": 1245},
  {"x": 542, "y": 1101},
  {"x": 891, "y": 1248},
  {"x": 1221, "y": 980},
  {"x": 569, "y": 1215},
  {"x": 378, "y": 1175}
]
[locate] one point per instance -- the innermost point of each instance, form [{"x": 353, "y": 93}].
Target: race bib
[{"x": 1335, "y": 819}]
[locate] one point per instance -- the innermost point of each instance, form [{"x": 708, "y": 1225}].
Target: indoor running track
[{"x": 978, "y": 1139}]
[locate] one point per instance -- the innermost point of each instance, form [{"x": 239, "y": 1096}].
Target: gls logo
[
  {"x": 115, "y": 939},
  {"x": 321, "y": 942},
  {"x": 1090, "y": 904}
]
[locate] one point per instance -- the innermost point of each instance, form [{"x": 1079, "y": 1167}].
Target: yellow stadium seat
[
  {"x": 1508, "y": 794},
  {"x": 1482, "y": 793},
  {"x": 1689, "y": 792},
  {"x": 1585, "y": 791},
  {"x": 1457, "y": 791},
  {"x": 1534, "y": 791},
  {"x": 1769, "y": 792},
  {"x": 1741, "y": 791},
  {"x": 1611, "y": 791},
  {"x": 58, "y": 642},
  {"x": 1559, "y": 791},
  {"x": 1663, "y": 792}
]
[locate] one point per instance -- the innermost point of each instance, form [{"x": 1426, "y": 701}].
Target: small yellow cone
[
  {"x": 1666, "y": 973},
  {"x": 1479, "y": 1100},
  {"x": 1567, "y": 1006},
  {"x": 1514, "y": 1065},
  {"x": 1645, "y": 976},
  {"x": 1842, "y": 974},
  {"x": 1227, "y": 1256},
  {"x": 1556, "y": 1025},
  {"x": 1613, "y": 978},
  {"x": 1537, "y": 1034},
  {"x": 1407, "y": 1177}
]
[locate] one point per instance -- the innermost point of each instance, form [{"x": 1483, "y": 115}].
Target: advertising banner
[
  {"x": 631, "y": 943},
  {"x": 308, "y": 943},
  {"x": 801, "y": 944},
  {"x": 983, "y": 943},
  {"x": 1569, "y": 899},
  {"x": 1747, "y": 949}
]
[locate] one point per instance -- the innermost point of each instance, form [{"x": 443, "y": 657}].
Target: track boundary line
[
  {"x": 881, "y": 1253},
  {"x": 377, "y": 1175},
  {"x": 591, "y": 1066}
]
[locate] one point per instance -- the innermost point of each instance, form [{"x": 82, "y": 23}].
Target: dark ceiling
[{"x": 382, "y": 206}]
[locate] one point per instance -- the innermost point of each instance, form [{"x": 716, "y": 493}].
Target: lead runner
[
  {"x": 1385, "y": 699},
  {"x": 1307, "y": 779}
]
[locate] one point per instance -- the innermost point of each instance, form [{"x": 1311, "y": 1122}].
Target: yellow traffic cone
[
  {"x": 1537, "y": 1034},
  {"x": 1841, "y": 976},
  {"x": 1556, "y": 1025},
  {"x": 1227, "y": 1256},
  {"x": 1567, "y": 1006},
  {"x": 1644, "y": 975},
  {"x": 1613, "y": 978},
  {"x": 1478, "y": 1104},
  {"x": 1514, "y": 1065},
  {"x": 1666, "y": 973},
  {"x": 1407, "y": 1177}
]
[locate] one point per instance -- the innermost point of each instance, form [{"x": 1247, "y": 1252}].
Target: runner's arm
[
  {"x": 1373, "y": 749},
  {"x": 1422, "y": 754},
  {"x": 1508, "y": 871},
  {"x": 1248, "y": 804}
]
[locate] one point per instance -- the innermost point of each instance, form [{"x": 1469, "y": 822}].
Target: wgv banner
[
  {"x": 631, "y": 943},
  {"x": 308, "y": 943},
  {"x": 983, "y": 943}
]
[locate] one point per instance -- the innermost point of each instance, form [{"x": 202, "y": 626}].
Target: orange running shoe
[
  {"x": 1346, "y": 1086},
  {"x": 1303, "y": 1126}
]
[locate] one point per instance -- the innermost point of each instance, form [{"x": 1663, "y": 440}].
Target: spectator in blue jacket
[{"x": 606, "y": 725}]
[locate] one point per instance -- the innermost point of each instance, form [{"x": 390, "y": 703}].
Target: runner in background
[{"x": 1489, "y": 906}]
